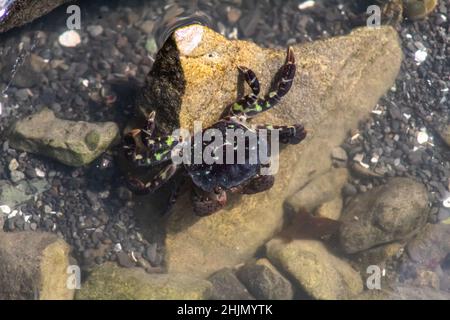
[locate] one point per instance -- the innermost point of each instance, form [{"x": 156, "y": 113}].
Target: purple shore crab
[{"x": 212, "y": 181}]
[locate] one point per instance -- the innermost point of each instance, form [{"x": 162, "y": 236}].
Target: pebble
[
  {"x": 422, "y": 137},
  {"x": 420, "y": 56},
  {"x": 5, "y": 209},
  {"x": 39, "y": 173},
  {"x": 124, "y": 260},
  {"x": 233, "y": 15},
  {"x": 22, "y": 94},
  {"x": 69, "y": 39},
  {"x": 339, "y": 153},
  {"x": 95, "y": 31},
  {"x": 306, "y": 5},
  {"x": 13, "y": 165},
  {"x": 17, "y": 176},
  {"x": 147, "y": 26}
]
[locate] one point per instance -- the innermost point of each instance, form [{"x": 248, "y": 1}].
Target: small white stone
[
  {"x": 69, "y": 39},
  {"x": 446, "y": 202},
  {"x": 39, "y": 173},
  {"x": 422, "y": 137},
  {"x": 375, "y": 158},
  {"x": 306, "y": 5},
  {"x": 5, "y": 209},
  {"x": 13, "y": 165},
  {"x": 85, "y": 82},
  {"x": 420, "y": 55},
  {"x": 118, "y": 247},
  {"x": 13, "y": 214}
]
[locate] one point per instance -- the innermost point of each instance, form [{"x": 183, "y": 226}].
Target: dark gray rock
[
  {"x": 226, "y": 286},
  {"x": 431, "y": 246},
  {"x": 391, "y": 212},
  {"x": 264, "y": 281}
]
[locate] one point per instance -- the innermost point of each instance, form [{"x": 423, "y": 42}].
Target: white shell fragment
[
  {"x": 117, "y": 247},
  {"x": 420, "y": 55},
  {"x": 69, "y": 39},
  {"x": 39, "y": 173},
  {"x": 306, "y": 5},
  {"x": 446, "y": 202},
  {"x": 422, "y": 137},
  {"x": 5, "y": 209}
]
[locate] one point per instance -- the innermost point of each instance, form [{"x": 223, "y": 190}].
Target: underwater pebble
[
  {"x": 420, "y": 56},
  {"x": 306, "y": 5},
  {"x": 69, "y": 39},
  {"x": 17, "y": 176},
  {"x": 5, "y": 209},
  {"x": 39, "y": 173},
  {"x": 422, "y": 137},
  {"x": 13, "y": 165},
  {"x": 94, "y": 31}
]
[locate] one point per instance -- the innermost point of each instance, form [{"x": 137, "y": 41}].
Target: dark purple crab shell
[{"x": 209, "y": 177}]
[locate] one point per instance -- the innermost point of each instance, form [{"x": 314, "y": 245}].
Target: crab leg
[
  {"x": 248, "y": 100},
  {"x": 152, "y": 152},
  {"x": 287, "y": 72},
  {"x": 287, "y": 134},
  {"x": 140, "y": 187}
]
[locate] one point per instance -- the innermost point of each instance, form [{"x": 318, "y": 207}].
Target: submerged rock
[
  {"x": 21, "y": 12},
  {"x": 74, "y": 143},
  {"x": 111, "y": 282},
  {"x": 195, "y": 77},
  {"x": 322, "y": 189},
  {"x": 394, "y": 211},
  {"x": 33, "y": 266},
  {"x": 264, "y": 281},
  {"x": 12, "y": 195},
  {"x": 317, "y": 271},
  {"x": 431, "y": 246},
  {"x": 226, "y": 286}
]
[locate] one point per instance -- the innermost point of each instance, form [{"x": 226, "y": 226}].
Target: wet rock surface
[
  {"x": 21, "y": 12},
  {"x": 322, "y": 189},
  {"x": 316, "y": 270},
  {"x": 226, "y": 286},
  {"x": 264, "y": 281},
  {"x": 317, "y": 97},
  {"x": 72, "y": 143},
  {"x": 109, "y": 281},
  {"x": 391, "y": 212},
  {"x": 33, "y": 266}
]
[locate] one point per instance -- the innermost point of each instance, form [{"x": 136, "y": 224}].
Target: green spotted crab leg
[
  {"x": 139, "y": 187},
  {"x": 250, "y": 105},
  {"x": 146, "y": 150},
  {"x": 287, "y": 134}
]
